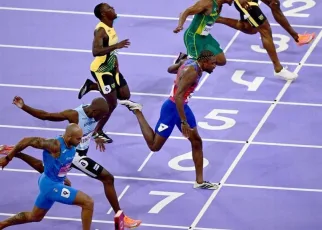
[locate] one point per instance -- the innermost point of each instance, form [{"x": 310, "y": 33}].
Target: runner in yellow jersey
[
  {"x": 104, "y": 68},
  {"x": 198, "y": 36}
]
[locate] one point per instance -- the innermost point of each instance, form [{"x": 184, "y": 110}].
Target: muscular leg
[
  {"x": 98, "y": 172},
  {"x": 153, "y": 140},
  {"x": 268, "y": 44},
  {"x": 111, "y": 99},
  {"x": 94, "y": 170},
  {"x": 123, "y": 93},
  {"x": 87, "y": 204},
  {"x": 278, "y": 15},
  {"x": 243, "y": 26},
  {"x": 36, "y": 215},
  {"x": 266, "y": 35},
  {"x": 168, "y": 119},
  {"x": 197, "y": 154},
  {"x": 108, "y": 183}
]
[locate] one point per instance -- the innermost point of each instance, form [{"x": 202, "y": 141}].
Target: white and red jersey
[{"x": 188, "y": 94}]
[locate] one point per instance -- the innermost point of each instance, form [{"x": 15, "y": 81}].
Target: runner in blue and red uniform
[{"x": 176, "y": 112}]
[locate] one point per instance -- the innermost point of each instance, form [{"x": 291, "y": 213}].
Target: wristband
[{"x": 183, "y": 122}]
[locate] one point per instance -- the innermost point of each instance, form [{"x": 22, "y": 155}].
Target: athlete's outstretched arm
[
  {"x": 99, "y": 50},
  {"x": 51, "y": 145},
  {"x": 67, "y": 115},
  {"x": 197, "y": 8},
  {"x": 188, "y": 78}
]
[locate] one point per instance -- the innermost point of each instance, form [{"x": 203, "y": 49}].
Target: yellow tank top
[{"x": 105, "y": 63}]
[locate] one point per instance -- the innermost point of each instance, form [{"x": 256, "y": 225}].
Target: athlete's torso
[
  {"x": 56, "y": 168},
  {"x": 87, "y": 125},
  {"x": 106, "y": 63},
  {"x": 188, "y": 94},
  {"x": 202, "y": 24}
]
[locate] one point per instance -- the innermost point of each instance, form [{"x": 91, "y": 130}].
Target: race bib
[
  {"x": 64, "y": 170},
  {"x": 206, "y": 30},
  {"x": 85, "y": 141}
]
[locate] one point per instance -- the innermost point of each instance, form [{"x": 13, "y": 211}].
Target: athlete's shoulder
[
  {"x": 190, "y": 63},
  {"x": 100, "y": 27}
]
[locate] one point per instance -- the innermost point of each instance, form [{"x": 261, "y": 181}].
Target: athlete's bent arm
[
  {"x": 98, "y": 49},
  {"x": 174, "y": 68},
  {"x": 51, "y": 145},
  {"x": 197, "y": 8},
  {"x": 188, "y": 79}
]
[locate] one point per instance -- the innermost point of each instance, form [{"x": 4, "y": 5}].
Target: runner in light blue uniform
[
  {"x": 86, "y": 116},
  {"x": 50, "y": 183},
  {"x": 58, "y": 154}
]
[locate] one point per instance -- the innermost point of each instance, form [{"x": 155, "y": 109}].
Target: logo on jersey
[
  {"x": 89, "y": 123},
  {"x": 162, "y": 127}
]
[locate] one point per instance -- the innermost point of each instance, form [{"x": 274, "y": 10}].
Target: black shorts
[
  {"x": 86, "y": 165},
  {"x": 254, "y": 15},
  {"x": 108, "y": 82}
]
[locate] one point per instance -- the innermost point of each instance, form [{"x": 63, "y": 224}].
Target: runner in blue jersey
[
  {"x": 87, "y": 117},
  {"x": 58, "y": 154},
  {"x": 175, "y": 111}
]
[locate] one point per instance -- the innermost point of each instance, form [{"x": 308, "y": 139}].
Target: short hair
[
  {"x": 205, "y": 55},
  {"x": 97, "y": 10}
]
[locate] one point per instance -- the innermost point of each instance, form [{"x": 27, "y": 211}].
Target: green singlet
[{"x": 198, "y": 38}]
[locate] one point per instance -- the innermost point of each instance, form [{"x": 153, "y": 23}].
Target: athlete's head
[
  {"x": 104, "y": 10},
  {"x": 73, "y": 134},
  {"x": 98, "y": 108},
  {"x": 207, "y": 61}
]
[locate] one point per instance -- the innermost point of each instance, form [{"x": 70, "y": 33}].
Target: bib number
[
  {"x": 85, "y": 141},
  {"x": 206, "y": 30}
]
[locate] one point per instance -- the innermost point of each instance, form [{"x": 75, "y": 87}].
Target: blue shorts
[
  {"x": 51, "y": 192},
  {"x": 169, "y": 117}
]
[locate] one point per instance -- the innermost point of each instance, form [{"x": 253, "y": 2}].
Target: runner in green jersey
[{"x": 197, "y": 36}]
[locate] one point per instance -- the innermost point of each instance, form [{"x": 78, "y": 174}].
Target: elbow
[
  {"x": 95, "y": 53},
  {"x": 171, "y": 70}
]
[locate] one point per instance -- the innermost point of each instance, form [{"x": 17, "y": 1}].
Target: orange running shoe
[
  {"x": 130, "y": 223},
  {"x": 305, "y": 39},
  {"x": 5, "y": 149}
]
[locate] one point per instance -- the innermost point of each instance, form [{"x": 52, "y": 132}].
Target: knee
[
  {"x": 265, "y": 29},
  {"x": 106, "y": 178},
  {"x": 124, "y": 95},
  {"x": 154, "y": 148},
  {"x": 196, "y": 143},
  {"x": 275, "y": 6},
  {"x": 88, "y": 203}
]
